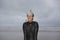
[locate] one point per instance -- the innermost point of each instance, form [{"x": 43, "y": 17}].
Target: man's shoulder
[
  {"x": 35, "y": 22},
  {"x": 25, "y": 23}
]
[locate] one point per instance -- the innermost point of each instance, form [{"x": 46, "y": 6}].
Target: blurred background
[{"x": 13, "y": 15}]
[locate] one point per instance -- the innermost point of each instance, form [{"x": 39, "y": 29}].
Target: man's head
[{"x": 30, "y": 16}]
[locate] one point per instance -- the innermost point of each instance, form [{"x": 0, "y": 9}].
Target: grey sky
[{"x": 13, "y": 12}]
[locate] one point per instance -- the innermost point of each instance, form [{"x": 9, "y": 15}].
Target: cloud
[{"x": 46, "y": 12}]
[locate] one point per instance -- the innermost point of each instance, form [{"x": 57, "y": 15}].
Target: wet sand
[{"x": 42, "y": 35}]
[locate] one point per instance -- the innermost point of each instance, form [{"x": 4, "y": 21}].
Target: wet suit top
[{"x": 30, "y": 30}]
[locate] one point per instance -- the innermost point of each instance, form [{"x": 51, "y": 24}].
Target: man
[{"x": 30, "y": 28}]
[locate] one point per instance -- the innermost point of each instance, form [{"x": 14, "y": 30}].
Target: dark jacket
[{"x": 30, "y": 30}]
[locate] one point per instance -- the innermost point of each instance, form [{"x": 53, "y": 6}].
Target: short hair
[{"x": 31, "y": 13}]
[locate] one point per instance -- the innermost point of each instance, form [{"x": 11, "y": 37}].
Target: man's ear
[{"x": 26, "y": 20}]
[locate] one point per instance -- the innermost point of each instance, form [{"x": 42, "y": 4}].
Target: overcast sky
[{"x": 13, "y": 12}]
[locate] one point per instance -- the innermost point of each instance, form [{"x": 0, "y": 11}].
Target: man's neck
[{"x": 30, "y": 21}]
